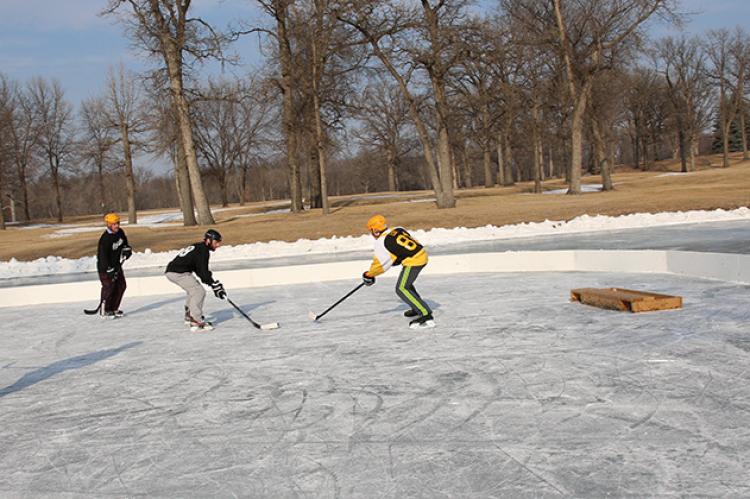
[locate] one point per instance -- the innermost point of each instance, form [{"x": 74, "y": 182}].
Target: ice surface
[{"x": 516, "y": 393}]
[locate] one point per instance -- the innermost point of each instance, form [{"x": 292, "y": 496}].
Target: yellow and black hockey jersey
[{"x": 396, "y": 247}]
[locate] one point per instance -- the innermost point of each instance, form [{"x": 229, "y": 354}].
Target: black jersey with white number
[
  {"x": 396, "y": 247},
  {"x": 110, "y": 249},
  {"x": 193, "y": 258}
]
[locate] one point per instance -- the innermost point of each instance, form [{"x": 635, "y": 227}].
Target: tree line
[{"x": 371, "y": 95}]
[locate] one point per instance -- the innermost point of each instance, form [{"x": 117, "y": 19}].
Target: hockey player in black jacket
[
  {"x": 194, "y": 259},
  {"x": 113, "y": 248}
]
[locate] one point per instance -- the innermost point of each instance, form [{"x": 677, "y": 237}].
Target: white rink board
[{"x": 720, "y": 266}]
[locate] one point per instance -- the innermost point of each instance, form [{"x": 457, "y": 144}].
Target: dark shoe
[
  {"x": 110, "y": 314},
  {"x": 411, "y": 313},
  {"x": 119, "y": 313},
  {"x": 422, "y": 322}
]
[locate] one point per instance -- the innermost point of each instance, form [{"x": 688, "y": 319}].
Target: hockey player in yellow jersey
[{"x": 397, "y": 247}]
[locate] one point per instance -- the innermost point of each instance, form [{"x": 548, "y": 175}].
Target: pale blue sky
[{"x": 67, "y": 40}]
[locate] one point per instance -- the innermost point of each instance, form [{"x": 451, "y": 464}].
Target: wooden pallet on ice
[{"x": 625, "y": 299}]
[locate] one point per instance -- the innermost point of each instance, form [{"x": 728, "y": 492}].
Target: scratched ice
[{"x": 516, "y": 393}]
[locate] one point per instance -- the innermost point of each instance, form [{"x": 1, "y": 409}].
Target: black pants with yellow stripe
[{"x": 406, "y": 291}]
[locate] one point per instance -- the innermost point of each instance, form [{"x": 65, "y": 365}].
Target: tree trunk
[
  {"x": 500, "y": 160},
  {"x": 243, "y": 185},
  {"x": 536, "y": 148},
  {"x": 466, "y": 166},
  {"x": 682, "y": 148},
  {"x": 23, "y": 184},
  {"x": 313, "y": 173},
  {"x": 576, "y": 142},
  {"x": 182, "y": 178},
  {"x": 391, "y": 167},
  {"x": 445, "y": 166},
  {"x": 222, "y": 174},
  {"x": 507, "y": 162},
  {"x": 2, "y": 209},
  {"x": 288, "y": 118},
  {"x": 725, "y": 129},
  {"x": 55, "y": 171},
  {"x": 637, "y": 145},
  {"x": 100, "y": 182},
  {"x": 12, "y": 205},
  {"x": 486, "y": 154},
  {"x": 693, "y": 150},
  {"x": 322, "y": 157},
  {"x": 129, "y": 177},
  {"x": 174, "y": 69},
  {"x": 743, "y": 134},
  {"x": 600, "y": 155},
  {"x": 550, "y": 163}
]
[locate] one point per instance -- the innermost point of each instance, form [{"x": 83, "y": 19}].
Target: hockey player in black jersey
[
  {"x": 112, "y": 250},
  {"x": 397, "y": 247},
  {"x": 194, "y": 259}
]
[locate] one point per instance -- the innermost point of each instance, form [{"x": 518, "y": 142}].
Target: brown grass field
[{"x": 635, "y": 192}]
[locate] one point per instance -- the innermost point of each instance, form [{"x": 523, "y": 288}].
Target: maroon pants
[{"x": 112, "y": 291}]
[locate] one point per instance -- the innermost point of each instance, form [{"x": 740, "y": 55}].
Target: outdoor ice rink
[{"x": 517, "y": 393}]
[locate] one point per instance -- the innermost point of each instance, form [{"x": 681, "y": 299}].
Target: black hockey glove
[
  {"x": 219, "y": 290},
  {"x": 112, "y": 273},
  {"x": 127, "y": 252},
  {"x": 367, "y": 279}
]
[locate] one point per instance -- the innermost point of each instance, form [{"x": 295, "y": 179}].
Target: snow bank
[{"x": 432, "y": 238}]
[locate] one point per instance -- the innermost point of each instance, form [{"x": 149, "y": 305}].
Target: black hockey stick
[
  {"x": 101, "y": 303},
  {"x": 314, "y": 317},
  {"x": 270, "y": 325}
]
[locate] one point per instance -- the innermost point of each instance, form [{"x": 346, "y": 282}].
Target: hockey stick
[
  {"x": 314, "y": 317},
  {"x": 99, "y": 307},
  {"x": 270, "y": 325}
]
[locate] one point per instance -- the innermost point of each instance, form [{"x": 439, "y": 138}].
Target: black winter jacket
[
  {"x": 110, "y": 250},
  {"x": 194, "y": 258}
]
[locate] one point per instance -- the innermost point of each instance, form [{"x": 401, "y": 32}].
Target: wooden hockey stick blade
[{"x": 270, "y": 325}]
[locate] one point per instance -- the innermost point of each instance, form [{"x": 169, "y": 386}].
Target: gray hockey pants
[{"x": 196, "y": 295}]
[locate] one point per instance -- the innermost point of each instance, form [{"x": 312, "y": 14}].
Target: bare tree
[
  {"x": 682, "y": 62},
  {"x": 604, "y": 113},
  {"x": 384, "y": 117},
  {"x": 728, "y": 53},
  {"x": 165, "y": 141},
  {"x": 25, "y": 136},
  {"x": 165, "y": 29},
  {"x": 124, "y": 113},
  {"x": 587, "y": 35},
  {"x": 55, "y": 130},
  {"x": 476, "y": 79},
  {"x": 218, "y": 124},
  {"x": 278, "y": 10},
  {"x": 6, "y": 141},
  {"x": 256, "y": 118},
  {"x": 406, "y": 39},
  {"x": 96, "y": 141}
]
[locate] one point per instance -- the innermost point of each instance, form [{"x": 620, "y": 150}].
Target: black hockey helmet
[{"x": 212, "y": 235}]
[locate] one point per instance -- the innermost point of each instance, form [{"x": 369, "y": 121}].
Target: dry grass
[{"x": 635, "y": 192}]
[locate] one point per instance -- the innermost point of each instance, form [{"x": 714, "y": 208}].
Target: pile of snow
[
  {"x": 584, "y": 188},
  {"x": 431, "y": 238}
]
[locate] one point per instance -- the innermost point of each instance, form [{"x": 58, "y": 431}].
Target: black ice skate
[
  {"x": 411, "y": 313},
  {"x": 424, "y": 322}
]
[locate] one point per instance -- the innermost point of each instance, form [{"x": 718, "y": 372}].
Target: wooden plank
[{"x": 625, "y": 299}]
